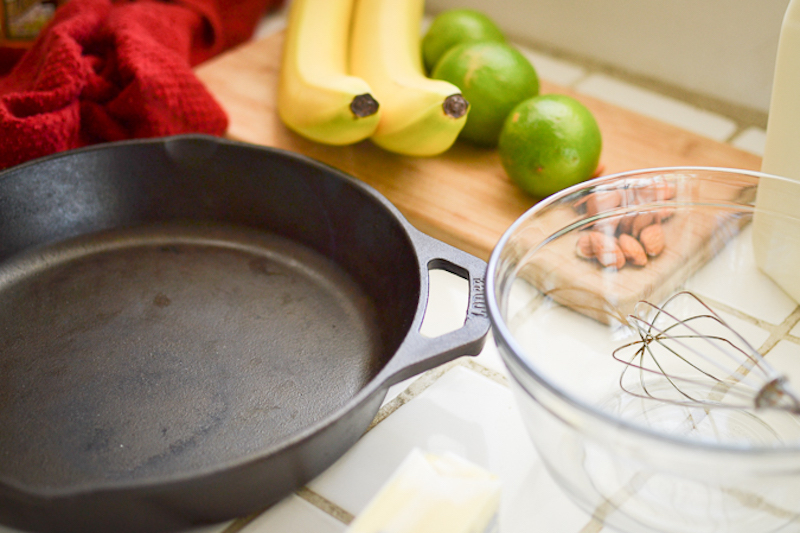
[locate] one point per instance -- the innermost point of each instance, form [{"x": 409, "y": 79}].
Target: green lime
[
  {"x": 548, "y": 143},
  {"x": 493, "y": 77},
  {"x": 454, "y": 27}
]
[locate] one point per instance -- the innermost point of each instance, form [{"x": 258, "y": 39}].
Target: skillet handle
[{"x": 418, "y": 353}]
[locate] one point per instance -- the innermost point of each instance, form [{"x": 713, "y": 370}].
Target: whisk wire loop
[{"x": 730, "y": 374}]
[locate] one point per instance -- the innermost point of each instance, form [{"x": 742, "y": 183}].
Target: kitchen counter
[
  {"x": 466, "y": 406},
  {"x": 464, "y": 198}
]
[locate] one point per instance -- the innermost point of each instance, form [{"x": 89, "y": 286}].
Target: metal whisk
[{"x": 698, "y": 360}]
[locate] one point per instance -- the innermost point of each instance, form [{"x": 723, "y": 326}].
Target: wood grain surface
[{"x": 463, "y": 196}]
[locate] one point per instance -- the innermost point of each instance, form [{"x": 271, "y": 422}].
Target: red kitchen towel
[{"x": 108, "y": 70}]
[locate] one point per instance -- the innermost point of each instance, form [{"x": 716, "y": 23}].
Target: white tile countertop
[{"x": 466, "y": 406}]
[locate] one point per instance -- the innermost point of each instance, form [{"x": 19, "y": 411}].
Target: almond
[
  {"x": 606, "y": 250},
  {"x": 652, "y": 239},
  {"x": 584, "y": 246},
  {"x": 642, "y": 220},
  {"x": 626, "y": 223},
  {"x": 607, "y": 225},
  {"x": 632, "y": 250},
  {"x": 665, "y": 213}
]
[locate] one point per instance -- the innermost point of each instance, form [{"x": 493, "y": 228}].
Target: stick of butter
[
  {"x": 433, "y": 494},
  {"x": 776, "y": 224}
]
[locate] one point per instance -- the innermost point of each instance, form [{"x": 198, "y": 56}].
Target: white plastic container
[{"x": 776, "y": 232}]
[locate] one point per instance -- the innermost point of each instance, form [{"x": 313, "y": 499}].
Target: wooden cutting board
[
  {"x": 691, "y": 237},
  {"x": 463, "y": 196}
]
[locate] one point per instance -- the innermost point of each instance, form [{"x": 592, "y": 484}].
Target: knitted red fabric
[{"x": 105, "y": 71}]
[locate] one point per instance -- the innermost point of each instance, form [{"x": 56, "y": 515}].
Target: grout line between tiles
[
  {"x": 592, "y": 527},
  {"x": 475, "y": 366},
  {"x": 613, "y": 502},
  {"x": 415, "y": 389},
  {"x": 777, "y": 333},
  {"x": 325, "y": 505},
  {"x": 741, "y": 116},
  {"x": 757, "y": 502},
  {"x": 744, "y": 116},
  {"x": 741, "y": 127},
  {"x": 530, "y": 307},
  {"x": 242, "y": 522},
  {"x": 780, "y": 332},
  {"x": 429, "y": 378},
  {"x": 586, "y": 75},
  {"x": 736, "y": 132}
]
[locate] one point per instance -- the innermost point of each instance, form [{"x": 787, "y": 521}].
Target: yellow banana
[
  {"x": 317, "y": 98},
  {"x": 419, "y": 116}
]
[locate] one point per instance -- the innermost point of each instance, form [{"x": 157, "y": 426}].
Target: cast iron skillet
[{"x": 192, "y": 328}]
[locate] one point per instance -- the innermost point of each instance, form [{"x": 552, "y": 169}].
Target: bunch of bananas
[{"x": 352, "y": 70}]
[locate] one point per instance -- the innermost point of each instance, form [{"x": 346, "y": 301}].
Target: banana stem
[
  {"x": 455, "y": 106},
  {"x": 364, "y": 105}
]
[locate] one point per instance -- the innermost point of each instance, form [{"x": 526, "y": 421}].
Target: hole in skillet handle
[
  {"x": 448, "y": 298},
  {"x": 420, "y": 352}
]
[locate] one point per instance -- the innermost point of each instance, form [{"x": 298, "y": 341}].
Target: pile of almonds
[{"x": 626, "y": 239}]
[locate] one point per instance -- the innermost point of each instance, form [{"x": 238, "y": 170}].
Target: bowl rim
[{"x": 502, "y": 334}]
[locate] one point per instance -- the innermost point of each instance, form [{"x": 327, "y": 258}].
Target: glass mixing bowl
[{"x": 638, "y": 378}]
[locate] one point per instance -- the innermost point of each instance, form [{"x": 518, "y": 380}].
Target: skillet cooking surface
[{"x": 169, "y": 348}]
